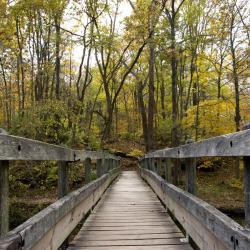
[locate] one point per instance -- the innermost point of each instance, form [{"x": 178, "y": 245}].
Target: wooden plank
[
  {"x": 101, "y": 237},
  {"x": 155, "y": 247},
  {"x": 134, "y": 232},
  {"x": 235, "y": 144},
  {"x": 19, "y": 148},
  {"x": 128, "y": 242},
  {"x": 94, "y": 155},
  {"x": 50, "y": 227},
  {"x": 4, "y": 197},
  {"x": 140, "y": 221},
  {"x": 98, "y": 223},
  {"x": 204, "y": 223}
]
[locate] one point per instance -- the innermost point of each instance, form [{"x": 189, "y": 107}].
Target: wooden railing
[
  {"x": 50, "y": 228},
  {"x": 207, "y": 226}
]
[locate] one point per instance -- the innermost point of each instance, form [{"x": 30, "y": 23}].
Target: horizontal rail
[
  {"x": 49, "y": 228},
  {"x": 207, "y": 226},
  {"x": 19, "y": 148},
  {"x": 235, "y": 144}
]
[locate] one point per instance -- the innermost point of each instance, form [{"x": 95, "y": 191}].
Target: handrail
[
  {"x": 19, "y": 148},
  {"x": 235, "y": 144},
  {"x": 207, "y": 226},
  {"x": 49, "y": 228},
  {"x": 220, "y": 231}
]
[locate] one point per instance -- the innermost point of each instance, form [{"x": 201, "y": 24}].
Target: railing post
[
  {"x": 4, "y": 197},
  {"x": 113, "y": 164},
  {"x": 170, "y": 165},
  {"x": 247, "y": 190},
  {"x": 190, "y": 164},
  {"x": 63, "y": 187},
  {"x": 87, "y": 165},
  {"x": 149, "y": 163},
  {"x": 63, "y": 179},
  {"x": 156, "y": 165},
  {"x": 99, "y": 168},
  {"x": 143, "y": 163},
  {"x": 104, "y": 166},
  {"x": 152, "y": 164},
  {"x": 159, "y": 166},
  {"x": 108, "y": 166},
  {"x": 168, "y": 170}
]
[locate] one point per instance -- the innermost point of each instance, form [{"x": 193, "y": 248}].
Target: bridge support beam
[
  {"x": 247, "y": 190},
  {"x": 4, "y": 197}
]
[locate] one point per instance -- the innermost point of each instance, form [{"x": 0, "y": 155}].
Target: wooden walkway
[{"x": 129, "y": 216}]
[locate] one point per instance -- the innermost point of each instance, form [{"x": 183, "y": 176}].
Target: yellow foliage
[
  {"x": 136, "y": 153},
  {"x": 216, "y": 117}
]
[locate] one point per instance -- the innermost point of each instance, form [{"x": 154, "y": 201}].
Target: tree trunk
[
  {"x": 58, "y": 59},
  {"x": 151, "y": 101},
  {"x": 143, "y": 113}
]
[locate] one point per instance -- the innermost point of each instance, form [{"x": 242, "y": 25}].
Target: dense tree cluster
[{"x": 73, "y": 71}]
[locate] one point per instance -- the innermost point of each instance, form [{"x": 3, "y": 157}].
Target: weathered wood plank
[
  {"x": 204, "y": 223},
  {"x": 128, "y": 242},
  {"x": 155, "y": 247},
  {"x": 94, "y": 155},
  {"x": 139, "y": 220},
  {"x": 100, "y": 237},
  {"x": 4, "y": 197},
  {"x": 50, "y": 227},
  {"x": 236, "y": 144},
  {"x": 18, "y": 148}
]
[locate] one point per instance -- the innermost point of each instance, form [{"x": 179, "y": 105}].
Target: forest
[
  {"x": 156, "y": 71},
  {"x": 123, "y": 75}
]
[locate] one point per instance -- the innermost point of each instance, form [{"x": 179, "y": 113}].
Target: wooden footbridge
[{"x": 126, "y": 209}]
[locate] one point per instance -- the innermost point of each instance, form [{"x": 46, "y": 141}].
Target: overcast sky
[{"x": 70, "y": 24}]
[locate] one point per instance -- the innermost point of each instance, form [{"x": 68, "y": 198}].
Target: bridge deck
[{"x": 129, "y": 216}]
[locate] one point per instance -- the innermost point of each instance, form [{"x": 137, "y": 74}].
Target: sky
[{"x": 70, "y": 24}]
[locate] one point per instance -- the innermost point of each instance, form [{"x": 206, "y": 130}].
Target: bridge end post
[{"x": 4, "y": 197}]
